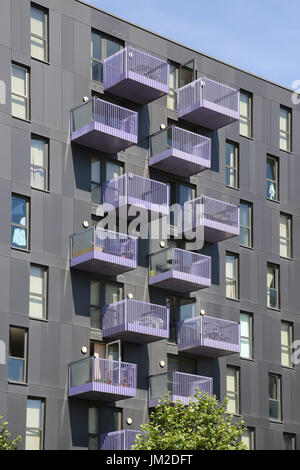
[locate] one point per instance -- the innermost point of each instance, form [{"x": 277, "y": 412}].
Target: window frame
[
  {"x": 287, "y": 349},
  {"x": 44, "y": 39},
  {"x": 24, "y": 227},
  {"x": 293, "y": 440},
  {"x": 103, "y": 173},
  {"x": 279, "y": 394},
  {"x": 250, "y": 227},
  {"x": 104, "y": 37},
  {"x": 276, "y": 182},
  {"x": 102, "y": 296},
  {"x": 249, "y": 118},
  {"x": 41, "y": 430},
  {"x": 236, "y": 394},
  {"x": 251, "y": 432},
  {"x": 289, "y": 238},
  {"x": 237, "y": 270},
  {"x": 44, "y": 296},
  {"x": 235, "y": 168},
  {"x": 276, "y": 288},
  {"x": 46, "y": 168},
  {"x": 25, "y": 97},
  {"x": 24, "y": 359},
  {"x": 249, "y": 339},
  {"x": 173, "y": 91},
  {"x": 288, "y": 133}
]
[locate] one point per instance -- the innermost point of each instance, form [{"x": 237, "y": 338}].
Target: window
[
  {"x": 285, "y": 235},
  {"x": 246, "y": 321},
  {"x": 102, "y": 293},
  {"x": 233, "y": 390},
  {"x": 102, "y": 420},
  {"x": 39, "y": 33},
  {"x": 173, "y": 87},
  {"x": 39, "y": 163},
  {"x": 285, "y": 124},
  {"x": 35, "y": 424},
  {"x": 187, "y": 365},
  {"x": 17, "y": 358},
  {"x": 232, "y": 165},
  {"x": 275, "y": 397},
  {"x": 20, "y": 92},
  {"x": 248, "y": 438},
  {"x": 272, "y": 286},
  {"x": 179, "y": 194},
  {"x": 38, "y": 292},
  {"x": 246, "y": 213},
  {"x": 286, "y": 344},
  {"x": 101, "y": 171},
  {"x": 272, "y": 181},
  {"x": 289, "y": 441},
  {"x": 20, "y": 222},
  {"x": 180, "y": 310},
  {"x": 101, "y": 48},
  {"x": 245, "y": 114},
  {"x": 232, "y": 276}
]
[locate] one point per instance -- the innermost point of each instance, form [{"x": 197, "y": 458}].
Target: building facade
[{"x": 96, "y": 111}]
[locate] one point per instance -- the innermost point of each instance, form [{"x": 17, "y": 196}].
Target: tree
[
  {"x": 204, "y": 424},
  {"x": 5, "y": 444}
]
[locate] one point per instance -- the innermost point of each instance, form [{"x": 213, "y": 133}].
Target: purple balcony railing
[
  {"x": 180, "y": 152},
  {"x": 118, "y": 440},
  {"x": 208, "y": 103},
  {"x": 133, "y": 190},
  {"x": 134, "y": 320},
  {"x": 220, "y": 220},
  {"x": 103, "y": 251},
  {"x": 136, "y": 75},
  {"x": 180, "y": 386},
  {"x": 208, "y": 336},
  {"x": 104, "y": 126},
  {"x": 102, "y": 379},
  {"x": 179, "y": 270}
]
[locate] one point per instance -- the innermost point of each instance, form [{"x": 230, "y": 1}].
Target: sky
[{"x": 259, "y": 36}]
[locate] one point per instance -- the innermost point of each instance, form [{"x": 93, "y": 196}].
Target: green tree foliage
[
  {"x": 204, "y": 424},
  {"x": 5, "y": 443}
]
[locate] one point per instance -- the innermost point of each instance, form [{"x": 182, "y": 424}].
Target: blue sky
[{"x": 260, "y": 36}]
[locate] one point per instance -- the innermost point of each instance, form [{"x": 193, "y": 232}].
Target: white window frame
[
  {"x": 235, "y": 395},
  {"x": 247, "y": 118},
  {"x": 46, "y": 168},
  {"x": 249, "y": 227},
  {"x": 275, "y": 182},
  {"x": 41, "y": 429},
  {"x": 289, "y": 238},
  {"x": 44, "y": 295},
  {"x": 229, "y": 280},
  {"x": 25, "y": 97},
  {"x": 287, "y": 348},
  {"x": 275, "y": 288},
  {"x": 287, "y": 134},
  {"x": 235, "y": 167},
  {"x": 248, "y": 339},
  {"x": 45, "y": 38},
  {"x": 278, "y": 399}
]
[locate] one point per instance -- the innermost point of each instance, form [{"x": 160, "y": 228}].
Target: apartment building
[{"x": 98, "y": 115}]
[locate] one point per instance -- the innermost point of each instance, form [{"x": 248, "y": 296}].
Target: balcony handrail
[
  {"x": 135, "y": 186},
  {"x": 130, "y": 59},
  {"x": 199, "y": 93},
  {"x": 179, "y": 250},
  {"x": 111, "y": 111},
  {"x": 206, "y": 327},
  {"x": 92, "y": 242},
  {"x": 137, "y": 312},
  {"x": 231, "y": 209}
]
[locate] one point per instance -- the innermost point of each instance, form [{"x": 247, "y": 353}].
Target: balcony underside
[
  {"x": 135, "y": 333},
  {"x": 133, "y": 206},
  {"x": 101, "y": 391},
  {"x": 211, "y": 348},
  {"x": 179, "y": 281},
  {"x": 215, "y": 232},
  {"x": 208, "y": 115},
  {"x": 104, "y": 138},
  {"x": 102, "y": 263},
  {"x": 131, "y": 88},
  {"x": 179, "y": 163}
]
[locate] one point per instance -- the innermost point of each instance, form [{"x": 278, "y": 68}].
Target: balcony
[
  {"x": 208, "y": 336},
  {"x": 180, "y": 386},
  {"x": 104, "y": 126},
  {"x": 142, "y": 193},
  {"x": 180, "y": 152},
  {"x": 102, "y": 379},
  {"x": 219, "y": 219},
  {"x": 118, "y": 440},
  {"x": 209, "y": 104},
  {"x": 136, "y": 321},
  {"x": 179, "y": 270},
  {"x": 136, "y": 76},
  {"x": 103, "y": 252}
]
